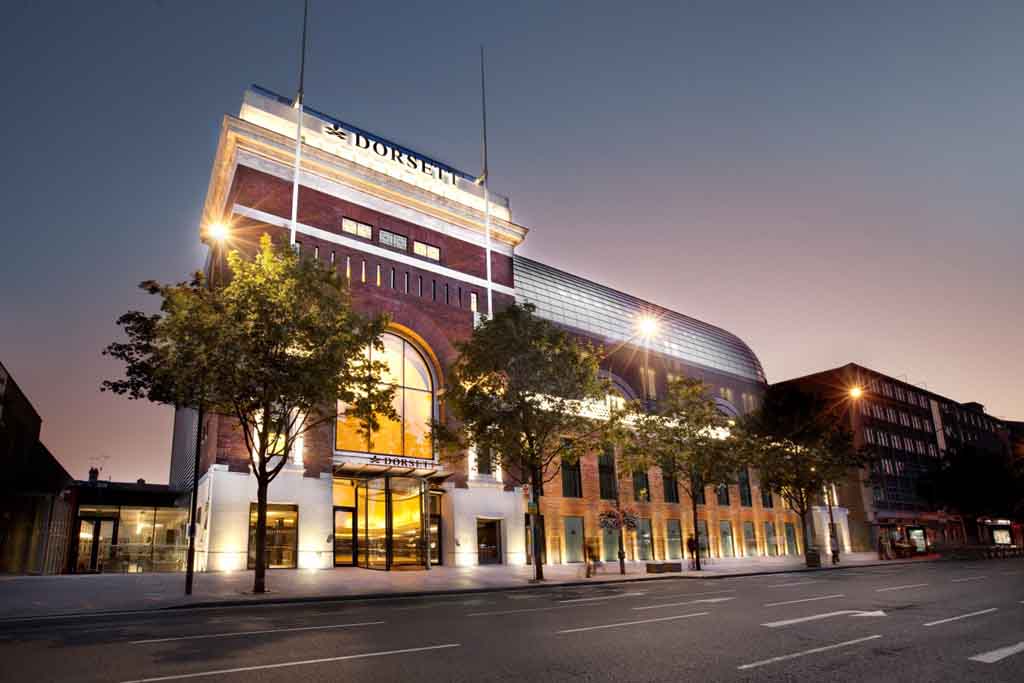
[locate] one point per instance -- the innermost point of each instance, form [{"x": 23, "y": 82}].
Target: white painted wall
[{"x": 482, "y": 500}]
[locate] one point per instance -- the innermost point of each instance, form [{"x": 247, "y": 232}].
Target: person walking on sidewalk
[{"x": 691, "y": 548}]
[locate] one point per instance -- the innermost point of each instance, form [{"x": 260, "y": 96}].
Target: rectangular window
[
  {"x": 606, "y": 474},
  {"x": 316, "y": 253},
  {"x": 433, "y": 290},
  {"x": 378, "y": 275},
  {"x": 447, "y": 294},
  {"x": 405, "y": 282},
  {"x": 282, "y": 547},
  {"x": 723, "y": 494},
  {"x": 484, "y": 462},
  {"x": 766, "y": 498},
  {"x": 671, "y": 489},
  {"x": 572, "y": 484},
  {"x": 749, "y": 540},
  {"x": 356, "y": 228},
  {"x": 460, "y": 297},
  {"x": 298, "y": 247},
  {"x": 746, "y": 499},
  {"x": 641, "y": 487},
  {"x": 770, "y": 542},
  {"x": 698, "y": 492},
  {"x": 390, "y": 239},
  {"x": 674, "y": 539},
  {"x": 362, "y": 271},
  {"x": 650, "y": 384},
  {"x": 348, "y": 268},
  {"x": 645, "y": 540},
  {"x": 391, "y": 279},
  {"x": 472, "y": 302},
  {"x": 426, "y": 251},
  {"x": 332, "y": 257},
  {"x": 725, "y": 536},
  {"x": 419, "y": 285},
  {"x": 703, "y": 539}
]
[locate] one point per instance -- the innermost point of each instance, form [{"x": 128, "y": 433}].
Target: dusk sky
[{"x": 832, "y": 184}]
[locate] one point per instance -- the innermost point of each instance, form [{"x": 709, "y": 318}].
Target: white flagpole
[
  {"x": 487, "y": 196},
  {"x": 298, "y": 128}
]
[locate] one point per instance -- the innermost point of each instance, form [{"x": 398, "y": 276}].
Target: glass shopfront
[
  {"x": 386, "y": 522},
  {"x": 282, "y": 544},
  {"x": 128, "y": 539}
]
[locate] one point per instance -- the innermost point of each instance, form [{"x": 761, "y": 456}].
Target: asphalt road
[{"x": 942, "y": 621}]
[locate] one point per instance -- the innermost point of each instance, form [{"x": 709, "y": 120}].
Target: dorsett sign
[{"x": 389, "y": 152}]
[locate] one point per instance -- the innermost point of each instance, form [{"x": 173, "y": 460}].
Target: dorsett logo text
[{"x": 386, "y": 151}]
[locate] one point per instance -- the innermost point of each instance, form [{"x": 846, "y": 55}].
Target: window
[
  {"x": 770, "y": 542},
  {"x": 606, "y": 474},
  {"x": 282, "y": 546},
  {"x": 348, "y": 267},
  {"x": 671, "y": 488},
  {"x": 391, "y": 279},
  {"x": 572, "y": 484},
  {"x": 645, "y": 540},
  {"x": 698, "y": 491},
  {"x": 725, "y": 534},
  {"x": 332, "y": 257},
  {"x": 766, "y": 498},
  {"x": 409, "y": 435},
  {"x": 362, "y": 271},
  {"x": 447, "y": 294},
  {"x": 472, "y": 302},
  {"x": 316, "y": 253},
  {"x": 390, "y": 239},
  {"x": 426, "y": 251},
  {"x": 433, "y": 290},
  {"x": 749, "y": 539},
  {"x": 356, "y": 228},
  {"x": 484, "y": 462},
  {"x": 641, "y": 487},
  {"x": 723, "y": 494},
  {"x": 726, "y": 393},
  {"x": 650, "y": 383},
  {"x": 702, "y": 536},
  {"x": 674, "y": 539},
  {"x": 419, "y": 285},
  {"x": 378, "y": 275},
  {"x": 746, "y": 499},
  {"x": 405, "y": 282}
]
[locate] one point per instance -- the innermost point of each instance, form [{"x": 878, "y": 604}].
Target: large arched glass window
[{"x": 410, "y": 435}]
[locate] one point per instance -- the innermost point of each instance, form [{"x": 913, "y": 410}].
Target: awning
[{"x": 429, "y": 471}]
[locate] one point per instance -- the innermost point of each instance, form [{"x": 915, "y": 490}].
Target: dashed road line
[
  {"x": 970, "y": 578},
  {"x": 804, "y": 653},
  {"x": 787, "y": 585},
  {"x": 995, "y": 655},
  {"x": 962, "y": 616},
  {"x": 605, "y": 597},
  {"x": 815, "y": 599},
  {"x": 900, "y": 588},
  {"x": 632, "y": 623},
  {"x": 235, "y": 634}
]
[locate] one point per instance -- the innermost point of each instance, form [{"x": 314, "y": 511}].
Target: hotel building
[{"x": 408, "y": 232}]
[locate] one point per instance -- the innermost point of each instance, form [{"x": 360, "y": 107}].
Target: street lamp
[
  {"x": 647, "y": 326},
  {"x": 856, "y": 392},
  {"x": 217, "y": 233}
]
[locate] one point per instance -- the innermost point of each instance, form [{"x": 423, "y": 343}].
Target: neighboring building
[
  {"x": 126, "y": 527},
  {"x": 910, "y": 430},
  {"x": 408, "y": 233},
  {"x": 32, "y": 507}
]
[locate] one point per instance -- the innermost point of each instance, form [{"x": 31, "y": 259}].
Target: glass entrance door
[
  {"x": 488, "y": 538},
  {"x": 95, "y": 538},
  {"x": 573, "y": 539},
  {"x": 344, "y": 537}
]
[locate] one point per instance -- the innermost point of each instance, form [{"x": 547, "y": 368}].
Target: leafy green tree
[
  {"x": 275, "y": 348},
  {"x": 799, "y": 447},
  {"x": 687, "y": 437},
  {"x": 525, "y": 393}
]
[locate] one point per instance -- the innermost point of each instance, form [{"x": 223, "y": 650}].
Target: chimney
[
  {"x": 94, "y": 475},
  {"x": 141, "y": 481}
]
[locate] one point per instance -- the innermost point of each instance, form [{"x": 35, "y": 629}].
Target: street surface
[{"x": 938, "y": 621}]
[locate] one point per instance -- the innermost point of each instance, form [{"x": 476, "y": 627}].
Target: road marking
[
  {"x": 899, "y": 588},
  {"x": 995, "y": 655},
  {"x": 688, "y": 602},
  {"x": 804, "y": 653},
  {"x": 604, "y": 597},
  {"x": 516, "y": 611},
  {"x": 793, "y": 602},
  {"x": 970, "y": 578},
  {"x": 253, "y": 633},
  {"x": 1009, "y": 573},
  {"x": 324, "y": 660},
  {"x": 962, "y": 616},
  {"x": 787, "y": 585},
  {"x": 691, "y": 595},
  {"x": 826, "y": 615},
  {"x": 633, "y": 623}
]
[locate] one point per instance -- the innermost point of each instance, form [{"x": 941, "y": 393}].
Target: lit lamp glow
[
  {"x": 856, "y": 392},
  {"x": 218, "y": 231},
  {"x": 647, "y": 326}
]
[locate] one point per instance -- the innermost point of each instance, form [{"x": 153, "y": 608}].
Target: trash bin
[{"x": 813, "y": 557}]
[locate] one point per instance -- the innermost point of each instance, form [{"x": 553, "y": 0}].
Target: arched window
[{"x": 410, "y": 435}]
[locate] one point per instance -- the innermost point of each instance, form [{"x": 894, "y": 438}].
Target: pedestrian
[
  {"x": 691, "y": 548},
  {"x": 590, "y": 552}
]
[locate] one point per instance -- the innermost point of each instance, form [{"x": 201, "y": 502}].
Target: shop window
[
  {"x": 282, "y": 546},
  {"x": 409, "y": 434}
]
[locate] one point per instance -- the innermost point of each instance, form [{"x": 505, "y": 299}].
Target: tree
[
  {"x": 523, "y": 392},
  {"x": 799, "y": 449},
  {"x": 687, "y": 437},
  {"x": 275, "y": 348}
]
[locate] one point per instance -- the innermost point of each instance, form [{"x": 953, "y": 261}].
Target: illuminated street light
[
  {"x": 856, "y": 392},
  {"x": 647, "y": 326},
  {"x": 218, "y": 231}
]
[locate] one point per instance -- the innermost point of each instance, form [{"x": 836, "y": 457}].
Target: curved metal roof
[{"x": 612, "y": 315}]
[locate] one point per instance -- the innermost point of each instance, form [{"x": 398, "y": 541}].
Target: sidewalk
[{"x": 47, "y": 596}]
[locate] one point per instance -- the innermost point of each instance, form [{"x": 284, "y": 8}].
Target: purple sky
[{"x": 831, "y": 184}]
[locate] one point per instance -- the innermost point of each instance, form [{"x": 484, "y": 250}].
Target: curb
[{"x": 406, "y": 595}]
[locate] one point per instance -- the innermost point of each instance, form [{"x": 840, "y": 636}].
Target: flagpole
[
  {"x": 298, "y": 127},
  {"x": 487, "y": 196}
]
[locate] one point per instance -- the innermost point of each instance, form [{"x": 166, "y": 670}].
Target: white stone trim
[{"x": 371, "y": 249}]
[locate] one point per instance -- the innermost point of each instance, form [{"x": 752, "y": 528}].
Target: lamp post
[{"x": 216, "y": 234}]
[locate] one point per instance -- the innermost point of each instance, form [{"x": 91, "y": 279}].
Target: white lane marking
[
  {"x": 970, "y": 578},
  {"x": 962, "y": 616},
  {"x": 324, "y": 660},
  {"x": 793, "y": 602},
  {"x": 804, "y": 653},
  {"x": 995, "y": 655},
  {"x": 693, "y": 595},
  {"x": 253, "y": 633},
  {"x": 1010, "y": 573},
  {"x": 826, "y": 615},
  {"x": 632, "y": 623},
  {"x": 687, "y": 602},
  {"x": 899, "y": 588},
  {"x": 516, "y": 611},
  {"x": 787, "y": 585},
  {"x": 604, "y": 597}
]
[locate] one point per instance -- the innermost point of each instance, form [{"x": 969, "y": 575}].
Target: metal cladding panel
[{"x": 610, "y": 315}]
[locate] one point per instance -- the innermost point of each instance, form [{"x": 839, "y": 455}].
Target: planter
[
  {"x": 664, "y": 567},
  {"x": 655, "y": 568}
]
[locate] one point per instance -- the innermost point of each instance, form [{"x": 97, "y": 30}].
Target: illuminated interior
[{"x": 409, "y": 435}]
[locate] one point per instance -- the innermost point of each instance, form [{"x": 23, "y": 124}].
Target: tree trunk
[
  {"x": 535, "y": 525},
  {"x": 259, "y": 584},
  {"x": 807, "y": 536},
  {"x": 696, "y": 527}
]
